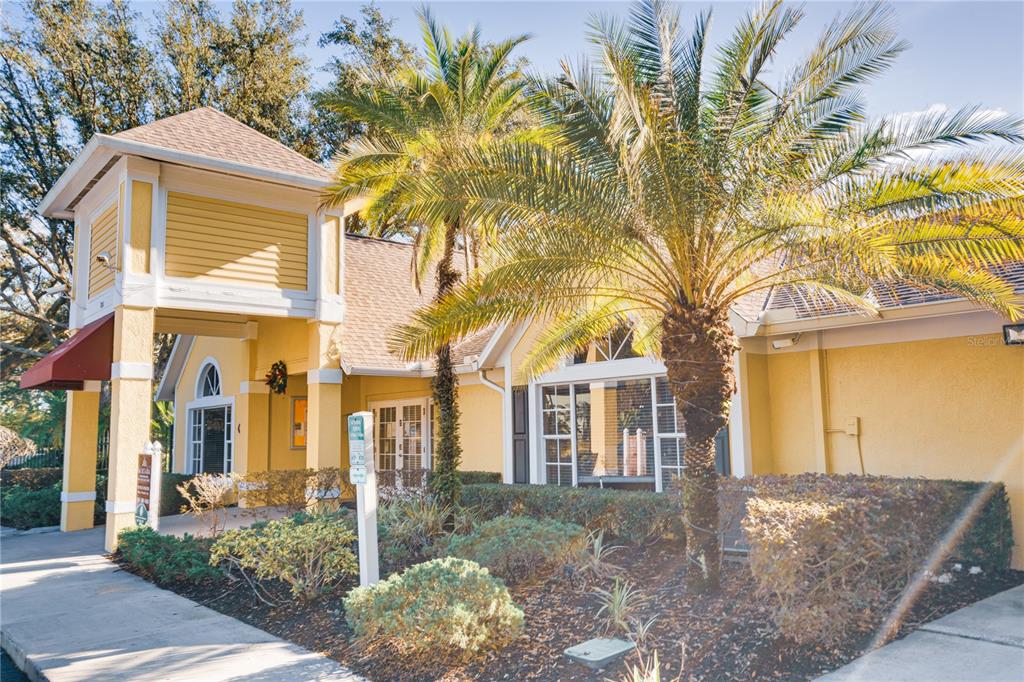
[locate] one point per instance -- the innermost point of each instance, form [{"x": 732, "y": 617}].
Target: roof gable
[{"x": 211, "y": 133}]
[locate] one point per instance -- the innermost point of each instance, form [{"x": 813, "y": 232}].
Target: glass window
[
  {"x": 210, "y": 385},
  {"x": 556, "y": 419},
  {"x": 617, "y": 345},
  {"x": 300, "y": 409},
  {"x": 671, "y": 434}
]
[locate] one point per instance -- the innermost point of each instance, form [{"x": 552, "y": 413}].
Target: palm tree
[
  {"x": 420, "y": 123},
  {"x": 680, "y": 184}
]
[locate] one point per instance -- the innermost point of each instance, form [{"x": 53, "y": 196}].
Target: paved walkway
[
  {"x": 70, "y": 614},
  {"x": 984, "y": 641}
]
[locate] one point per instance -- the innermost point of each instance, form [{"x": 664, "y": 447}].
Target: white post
[
  {"x": 155, "y": 489},
  {"x": 363, "y": 475}
]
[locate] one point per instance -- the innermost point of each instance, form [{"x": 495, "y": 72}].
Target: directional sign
[{"x": 361, "y": 474}]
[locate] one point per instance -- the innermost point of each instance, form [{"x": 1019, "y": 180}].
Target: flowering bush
[
  {"x": 442, "y": 607},
  {"x": 520, "y": 548},
  {"x": 832, "y": 554}
]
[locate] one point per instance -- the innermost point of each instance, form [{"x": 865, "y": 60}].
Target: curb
[
  {"x": 7, "y": 532},
  {"x": 21, "y": 659}
]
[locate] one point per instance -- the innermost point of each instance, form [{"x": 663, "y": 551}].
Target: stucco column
[
  {"x": 252, "y": 416},
  {"x": 81, "y": 430},
  {"x": 131, "y": 399},
  {"x": 323, "y": 378}
]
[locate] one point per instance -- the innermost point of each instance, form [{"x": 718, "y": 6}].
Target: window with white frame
[
  {"x": 616, "y": 345},
  {"x": 210, "y": 384},
  {"x": 607, "y": 429},
  {"x": 556, "y": 432}
]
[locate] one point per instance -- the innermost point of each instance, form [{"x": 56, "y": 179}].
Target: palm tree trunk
[
  {"x": 698, "y": 346},
  {"x": 448, "y": 452}
]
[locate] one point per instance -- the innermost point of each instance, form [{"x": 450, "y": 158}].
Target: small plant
[
  {"x": 164, "y": 558},
  {"x": 448, "y": 607},
  {"x": 310, "y": 553},
  {"x": 520, "y": 548},
  {"x": 619, "y": 605},
  {"x": 206, "y": 498},
  {"x": 594, "y": 559},
  {"x": 645, "y": 670},
  {"x": 640, "y": 632}
]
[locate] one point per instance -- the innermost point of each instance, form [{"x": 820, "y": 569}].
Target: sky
[{"x": 962, "y": 52}]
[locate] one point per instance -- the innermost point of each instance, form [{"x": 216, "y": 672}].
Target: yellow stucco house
[{"x": 199, "y": 226}]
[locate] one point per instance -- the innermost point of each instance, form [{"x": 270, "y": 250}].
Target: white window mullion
[
  {"x": 658, "y": 484},
  {"x": 572, "y": 434}
]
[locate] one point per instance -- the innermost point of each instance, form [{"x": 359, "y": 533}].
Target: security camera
[{"x": 103, "y": 258}]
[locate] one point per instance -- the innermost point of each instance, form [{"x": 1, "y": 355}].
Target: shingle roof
[
  {"x": 208, "y": 132},
  {"x": 887, "y": 295},
  {"x": 380, "y": 294}
]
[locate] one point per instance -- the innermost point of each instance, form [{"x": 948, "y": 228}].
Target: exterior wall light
[{"x": 1013, "y": 334}]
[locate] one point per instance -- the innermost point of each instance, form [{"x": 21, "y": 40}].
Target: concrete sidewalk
[
  {"x": 983, "y": 642},
  {"x": 70, "y": 614}
]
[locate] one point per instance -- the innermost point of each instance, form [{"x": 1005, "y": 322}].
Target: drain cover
[{"x": 597, "y": 653}]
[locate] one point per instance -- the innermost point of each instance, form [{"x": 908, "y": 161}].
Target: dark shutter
[
  {"x": 520, "y": 435},
  {"x": 722, "y": 452}
]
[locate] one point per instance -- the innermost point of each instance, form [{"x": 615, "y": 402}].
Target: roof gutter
[{"x": 490, "y": 384}]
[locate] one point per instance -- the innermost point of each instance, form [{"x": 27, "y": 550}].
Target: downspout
[{"x": 490, "y": 384}]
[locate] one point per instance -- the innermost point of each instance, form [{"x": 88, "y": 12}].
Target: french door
[{"x": 400, "y": 434}]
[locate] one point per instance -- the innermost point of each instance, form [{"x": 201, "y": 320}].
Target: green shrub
[
  {"x": 27, "y": 508},
  {"x": 408, "y": 528},
  {"x": 832, "y": 554},
  {"x": 447, "y": 606},
  {"x": 473, "y": 477},
  {"x": 171, "y": 500},
  {"x": 631, "y": 515},
  {"x": 310, "y": 553},
  {"x": 166, "y": 559},
  {"x": 32, "y": 479},
  {"x": 518, "y": 548}
]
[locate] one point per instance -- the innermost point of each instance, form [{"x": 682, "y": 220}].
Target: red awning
[{"x": 86, "y": 356}]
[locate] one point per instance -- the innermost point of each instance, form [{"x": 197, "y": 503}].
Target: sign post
[
  {"x": 147, "y": 486},
  {"x": 364, "y": 478}
]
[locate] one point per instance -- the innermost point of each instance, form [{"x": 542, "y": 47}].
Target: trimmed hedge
[
  {"x": 519, "y": 548},
  {"x": 472, "y": 477},
  {"x": 832, "y": 554},
  {"x": 165, "y": 558},
  {"x": 32, "y": 479},
  {"x": 26, "y": 508},
  {"x": 632, "y": 515}
]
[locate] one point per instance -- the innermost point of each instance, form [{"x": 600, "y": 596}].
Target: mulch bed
[{"x": 727, "y": 636}]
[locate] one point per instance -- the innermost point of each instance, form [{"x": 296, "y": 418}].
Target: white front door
[{"x": 400, "y": 434}]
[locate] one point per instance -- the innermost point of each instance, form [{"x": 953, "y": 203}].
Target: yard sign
[
  {"x": 362, "y": 475},
  {"x": 147, "y": 487}
]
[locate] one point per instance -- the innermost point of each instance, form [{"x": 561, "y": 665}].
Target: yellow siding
[
  {"x": 222, "y": 241},
  {"x": 103, "y": 238},
  {"x": 142, "y": 212}
]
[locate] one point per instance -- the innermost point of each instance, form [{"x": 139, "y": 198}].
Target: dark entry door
[
  {"x": 213, "y": 440},
  {"x": 520, "y": 435}
]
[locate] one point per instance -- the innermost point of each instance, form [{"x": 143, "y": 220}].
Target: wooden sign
[{"x": 144, "y": 489}]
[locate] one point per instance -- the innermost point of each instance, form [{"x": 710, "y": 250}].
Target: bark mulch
[{"x": 726, "y": 636}]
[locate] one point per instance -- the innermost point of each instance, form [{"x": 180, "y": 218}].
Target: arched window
[{"x": 210, "y": 383}]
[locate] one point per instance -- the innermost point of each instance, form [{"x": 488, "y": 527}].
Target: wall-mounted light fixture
[
  {"x": 785, "y": 342},
  {"x": 1013, "y": 334}
]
